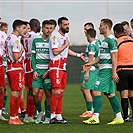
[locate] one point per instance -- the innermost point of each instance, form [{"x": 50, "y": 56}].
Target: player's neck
[
  {"x": 91, "y": 40},
  {"x": 61, "y": 32},
  {"x": 107, "y": 34},
  {"x": 16, "y": 33},
  {"x": 45, "y": 37}
]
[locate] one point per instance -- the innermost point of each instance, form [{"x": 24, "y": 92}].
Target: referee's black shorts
[{"x": 125, "y": 80}]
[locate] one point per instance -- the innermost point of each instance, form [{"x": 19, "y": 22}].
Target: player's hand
[
  {"x": 115, "y": 77},
  {"x": 45, "y": 75},
  {"x": 86, "y": 67},
  {"x": 35, "y": 75},
  {"x": 66, "y": 43},
  {"x": 82, "y": 56},
  {"x": 86, "y": 76}
]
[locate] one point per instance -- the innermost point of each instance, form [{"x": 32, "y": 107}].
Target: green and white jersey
[
  {"x": 108, "y": 46},
  {"x": 92, "y": 48},
  {"x": 40, "y": 55}
]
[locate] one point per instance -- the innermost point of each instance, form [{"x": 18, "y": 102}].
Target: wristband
[{"x": 77, "y": 54}]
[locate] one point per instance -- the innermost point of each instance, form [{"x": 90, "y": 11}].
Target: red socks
[
  {"x": 14, "y": 106},
  {"x": 31, "y": 106},
  {"x": 21, "y": 104},
  {"x": 54, "y": 102}
]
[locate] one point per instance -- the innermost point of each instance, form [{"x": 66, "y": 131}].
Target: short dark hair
[
  {"x": 26, "y": 22},
  {"x": 124, "y": 23},
  {"x": 91, "y": 32},
  {"x": 107, "y": 22},
  {"x": 89, "y": 23},
  {"x": 118, "y": 28},
  {"x": 17, "y": 23},
  {"x": 33, "y": 22},
  {"x": 131, "y": 20},
  {"x": 53, "y": 22},
  {"x": 61, "y": 19},
  {"x": 3, "y": 24},
  {"x": 46, "y": 22}
]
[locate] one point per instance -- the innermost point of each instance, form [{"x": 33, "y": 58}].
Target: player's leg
[
  {"x": 30, "y": 106},
  {"x": 37, "y": 84},
  {"x": 5, "y": 93},
  {"x": 48, "y": 93},
  {"x": 122, "y": 87},
  {"x": 56, "y": 79},
  {"x": 2, "y": 85},
  {"x": 16, "y": 88},
  {"x": 82, "y": 88},
  {"x": 124, "y": 104},
  {"x": 59, "y": 117},
  {"x": 97, "y": 104}
]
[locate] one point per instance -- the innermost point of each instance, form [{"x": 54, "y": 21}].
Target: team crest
[{"x": 54, "y": 37}]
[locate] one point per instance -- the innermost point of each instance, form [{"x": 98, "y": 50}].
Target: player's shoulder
[
  {"x": 32, "y": 34},
  {"x": 54, "y": 35},
  {"x": 3, "y": 34},
  {"x": 111, "y": 38}
]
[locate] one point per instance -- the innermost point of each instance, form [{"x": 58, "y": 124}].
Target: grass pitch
[{"x": 73, "y": 105}]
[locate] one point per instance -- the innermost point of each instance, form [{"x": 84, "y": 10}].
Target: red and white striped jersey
[
  {"x": 27, "y": 41},
  {"x": 3, "y": 37},
  {"x": 13, "y": 45},
  {"x": 57, "y": 40}
]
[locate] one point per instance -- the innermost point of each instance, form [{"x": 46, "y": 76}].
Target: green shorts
[
  {"x": 42, "y": 83},
  {"x": 93, "y": 75},
  {"x": 105, "y": 83},
  {"x": 5, "y": 74}
]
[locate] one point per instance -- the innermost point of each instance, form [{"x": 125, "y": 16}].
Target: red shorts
[
  {"x": 28, "y": 79},
  {"x": 2, "y": 76},
  {"x": 23, "y": 78},
  {"x": 58, "y": 79},
  {"x": 15, "y": 79},
  {"x": 28, "y": 65}
]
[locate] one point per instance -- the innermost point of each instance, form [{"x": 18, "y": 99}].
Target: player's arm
[
  {"x": 72, "y": 53},
  {"x": 114, "y": 66},
  {"x": 86, "y": 75},
  {"x": 17, "y": 55},
  {"x": 57, "y": 51},
  {"x": 45, "y": 75},
  {"x": 88, "y": 65},
  {"x": 33, "y": 57}
]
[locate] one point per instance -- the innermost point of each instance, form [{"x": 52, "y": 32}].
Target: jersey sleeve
[
  {"x": 54, "y": 42},
  {"x": 15, "y": 45},
  {"x": 113, "y": 46},
  {"x": 91, "y": 49},
  {"x": 33, "y": 57}
]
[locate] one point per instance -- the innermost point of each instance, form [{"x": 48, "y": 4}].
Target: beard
[{"x": 65, "y": 30}]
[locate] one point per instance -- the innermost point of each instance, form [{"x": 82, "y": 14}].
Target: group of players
[
  {"x": 37, "y": 62},
  {"x": 113, "y": 64}
]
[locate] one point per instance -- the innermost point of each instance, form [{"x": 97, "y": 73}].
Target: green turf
[{"x": 73, "y": 105}]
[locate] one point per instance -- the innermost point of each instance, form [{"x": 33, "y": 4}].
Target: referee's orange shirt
[{"x": 125, "y": 52}]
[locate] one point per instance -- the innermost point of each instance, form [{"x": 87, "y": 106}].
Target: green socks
[
  {"x": 97, "y": 104},
  {"x": 38, "y": 106},
  {"x": 115, "y": 104},
  {"x": 89, "y": 106},
  {"x": 47, "y": 110}
]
